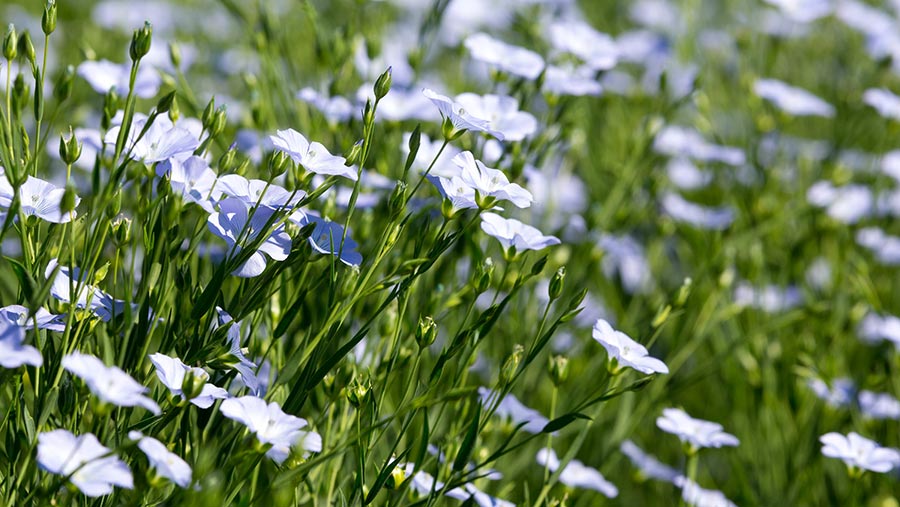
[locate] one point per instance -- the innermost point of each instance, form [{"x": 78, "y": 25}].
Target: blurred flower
[
  {"x": 879, "y": 405},
  {"x": 847, "y": 204},
  {"x": 576, "y": 474},
  {"x": 859, "y": 452},
  {"x": 511, "y": 408},
  {"x": 87, "y": 464},
  {"x": 685, "y": 175},
  {"x": 624, "y": 256},
  {"x": 104, "y": 75},
  {"x": 335, "y": 109},
  {"x": 428, "y": 150},
  {"x": 685, "y": 142},
  {"x": 840, "y": 394},
  {"x": 13, "y": 353},
  {"x": 695, "y": 432},
  {"x": 172, "y": 372},
  {"x": 649, "y": 466},
  {"x": 886, "y": 103},
  {"x": 696, "y": 496},
  {"x": 272, "y": 426},
  {"x": 166, "y": 463},
  {"x": 885, "y": 248},
  {"x": 88, "y": 296},
  {"x": 803, "y": 11},
  {"x": 792, "y": 100},
  {"x": 313, "y": 156},
  {"x": 568, "y": 80},
  {"x": 627, "y": 352},
  {"x": 109, "y": 383},
  {"x": 875, "y": 328},
  {"x": 576, "y": 37},
  {"x": 682, "y": 210},
  {"x": 502, "y": 111},
  {"x": 511, "y": 59}
]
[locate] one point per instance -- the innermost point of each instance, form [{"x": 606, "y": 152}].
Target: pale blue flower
[
  {"x": 858, "y": 452},
  {"x": 685, "y": 142},
  {"x": 879, "y": 405},
  {"x": 703, "y": 217},
  {"x": 253, "y": 191},
  {"x": 474, "y": 177},
  {"x": 272, "y": 426},
  {"x": 233, "y": 222},
  {"x": 43, "y": 199},
  {"x": 597, "y": 50},
  {"x": 19, "y": 315},
  {"x": 104, "y": 75},
  {"x": 90, "y": 466},
  {"x": 884, "y": 247},
  {"x": 875, "y": 328},
  {"x": 804, "y": 11},
  {"x": 313, "y": 156},
  {"x": 245, "y": 367},
  {"x": 166, "y": 463},
  {"x": 695, "y": 432},
  {"x": 511, "y": 408},
  {"x": 87, "y": 296},
  {"x": 886, "y": 103},
  {"x": 623, "y": 255},
  {"x": 14, "y": 353},
  {"x": 326, "y": 239},
  {"x": 625, "y": 351},
  {"x": 841, "y": 393},
  {"x": 193, "y": 180},
  {"x": 109, "y": 383},
  {"x": 162, "y": 140},
  {"x": 335, "y": 109},
  {"x": 171, "y": 372},
  {"x": 576, "y": 474},
  {"x": 696, "y": 496},
  {"x": 649, "y": 466},
  {"x": 769, "y": 298}
]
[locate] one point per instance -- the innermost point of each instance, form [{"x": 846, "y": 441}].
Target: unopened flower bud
[
  {"x": 383, "y": 84},
  {"x": 209, "y": 112},
  {"x": 355, "y": 152},
  {"x": 556, "y": 283},
  {"x": 192, "y": 385},
  {"x": 398, "y": 475},
  {"x": 558, "y": 367},
  {"x": 165, "y": 103},
  {"x": 175, "y": 55},
  {"x": 62, "y": 89},
  {"x": 278, "y": 163},
  {"x": 661, "y": 316},
  {"x": 483, "y": 274},
  {"x": 359, "y": 393},
  {"x": 368, "y": 113},
  {"x": 226, "y": 161},
  {"x": 397, "y": 201},
  {"x": 683, "y": 292},
  {"x": 140, "y": 42},
  {"x": 121, "y": 227},
  {"x": 67, "y": 204},
  {"x": 110, "y": 108},
  {"x": 426, "y": 332},
  {"x": 26, "y": 47},
  {"x": 9, "y": 43},
  {"x": 511, "y": 365},
  {"x": 69, "y": 149},
  {"x": 48, "y": 19}
]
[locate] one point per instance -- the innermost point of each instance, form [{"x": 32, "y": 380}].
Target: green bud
[
  {"x": 556, "y": 283},
  {"x": 359, "y": 392},
  {"x": 174, "y": 110},
  {"x": 426, "y": 332},
  {"x": 558, "y": 367},
  {"x": 355, "y": 153},
  {"x": 448, "y": 211},
  {"x": 20, "y": 94},
  {"x": 279, "y": 162},
  {"x": 69, "y": 149},
  {"x": 511, "y": 365},
  {"x": 383, "y": 84},
  {"x": 395, "y": 480},
  {"x": 661, "y": 316},
  {"x": 140, "y": 42},
  {"x": 121, "y": 227},
  {"x": 538, "y": 266},
  {"x": 220, "y": 120},
  {"x": 48, "y": 20},
  {"x": 68, "y": 200},
  {"x": 9, "y": 43},
  {"x": 26, "y": 47},
  {"x": 209, "y": 114},
  {"x": 165, "y": 103},
  {"x": 397, "y": 201},
  {"x": 482, "y": 276},
  {"x": 368, "y": 113},
  {"x": 175, "y": 55},
  {"x": 38, "y": 95},
  {"x": 226, "y": 161},
  {"x": 192, "y": 385},
  {"x": 62, "y": 89},
  {"x": 683, "y": 292}
]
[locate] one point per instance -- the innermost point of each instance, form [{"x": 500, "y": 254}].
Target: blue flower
[
  {"x": 233, "y": 222},
  {"x": 84, "y": 461}
]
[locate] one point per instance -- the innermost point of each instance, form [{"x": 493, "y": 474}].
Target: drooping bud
[
  {"x": 556, "y": 283},
  {"x": 426, "y": 332},
  {"x": 140, "y": 42},
  {"x": 9, "y": 43},
  {"x": 558, "y": 367},
  {"x": 48, "y": 19},
  {"x": 383, "y": 84}
]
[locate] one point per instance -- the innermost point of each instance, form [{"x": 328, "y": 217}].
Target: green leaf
[
  {"x": 468, "y": 445},
  {"x": 563, "y": 421}
]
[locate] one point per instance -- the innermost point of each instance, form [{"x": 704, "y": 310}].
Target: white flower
[
  {"x": 576, "y": 474},
  {"x": 171, "y": 372},
  {"x": 769, "y": 298},
  {"x": 43, "y": 199},
  {"x": 272, "y": 426},
  {"x": 88, "y": 464},
  {"x": 502, "y": 111},
  {"x": 696, "y": 496},
  {"x": 596, "y": 49},
  {"x": 703, "y": 217},
  {"x": 859, "y": 452},
  {"x": 513, "y": 409},
  {"x": 109, "y": 383},
  {"x": 166, "y": 463},
  {"x": 487, "y": 182},
  {"x": 13, "y": 353},
  {"x": 649, "y": 466},
  {"x": 696, "y": 432},
  {"x": 685, "y": 142},
  {"x": 803, "y": 11},
  {"x": 625, "y": 351},
  {"x": 685, "y": 175},
  {"x": 792, "y": 100},
  {"x": 458, "y": 116},
  {"x": 313, "y": 156},
  {"x": 886, "y": 103},
  {"x": 511, "y": 59},
  {"x": 513, "y": 234},
  {"x": 574, "y": 81},
  {"x": 879, "y": 405},
  {"x": 884, "y": 247},
  {"x": 847, "y": 204},
  {"x": 162, "y": 140}
]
